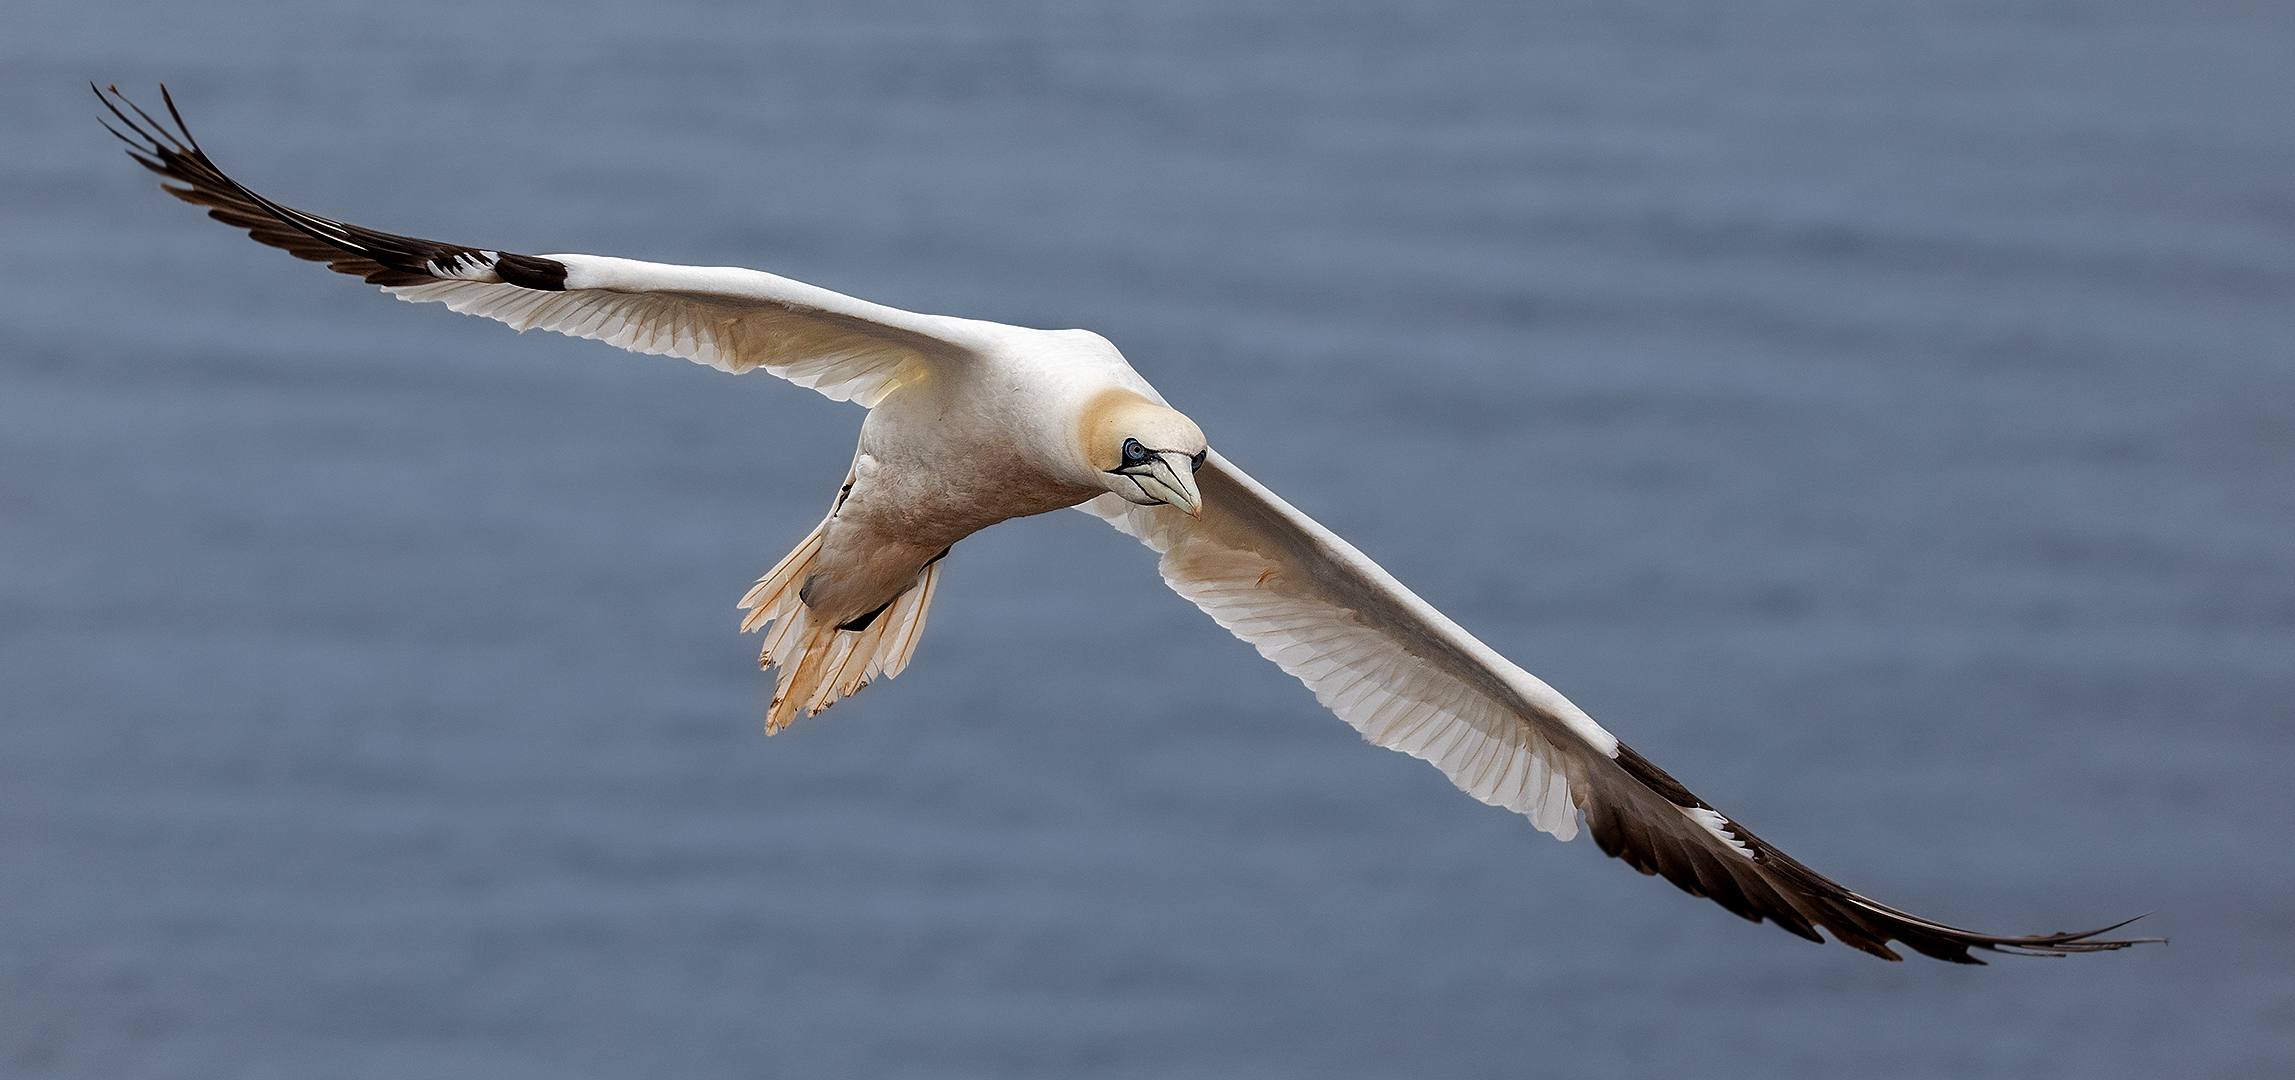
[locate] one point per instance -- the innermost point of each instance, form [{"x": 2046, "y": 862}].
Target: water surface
[{"x": 1879, "y": 417}]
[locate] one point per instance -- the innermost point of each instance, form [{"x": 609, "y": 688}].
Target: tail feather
[{"x": 820, "y": 663}]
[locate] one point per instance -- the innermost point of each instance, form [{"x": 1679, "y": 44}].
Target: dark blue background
[{"x": 1877, "y": 414}]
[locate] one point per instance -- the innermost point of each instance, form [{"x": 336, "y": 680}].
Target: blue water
[{"x": 1882, "y": 416}]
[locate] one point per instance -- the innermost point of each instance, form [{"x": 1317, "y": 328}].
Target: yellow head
[{"x": 1145, "y": 452}]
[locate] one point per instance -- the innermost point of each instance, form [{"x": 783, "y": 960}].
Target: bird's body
[
  {"x": 974, "y": 423},
  {"x": 947, "y": 456},
  {"x": 941, "y": 456}
]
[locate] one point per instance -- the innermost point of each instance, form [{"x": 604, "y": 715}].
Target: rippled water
[{"x": 1879, "y": 417}]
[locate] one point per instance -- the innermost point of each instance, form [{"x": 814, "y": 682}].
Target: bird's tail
[{"x": 820, "y": 663}]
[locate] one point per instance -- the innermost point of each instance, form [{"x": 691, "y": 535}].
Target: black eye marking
[
  {"x": 1134, "y": 453},
  {"x": 1196, "y": 462}
]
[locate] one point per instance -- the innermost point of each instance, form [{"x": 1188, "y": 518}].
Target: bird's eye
[
  {"x": 1134, "y": 453},
  {"x": 1197, "y": 461}
]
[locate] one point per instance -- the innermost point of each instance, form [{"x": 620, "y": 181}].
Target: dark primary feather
[
  {"x": 1775, "y": 886},
  {"x": 381, "y": 258}
]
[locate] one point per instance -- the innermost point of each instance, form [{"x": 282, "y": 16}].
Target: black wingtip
[
  {"x": 1771, "y": 885},
  {"x": 169, "y": 100},
  {"x": 150, "y": 130},
  {"x": 380, "y": 258},
  {"x": 2064, "y": 944}
]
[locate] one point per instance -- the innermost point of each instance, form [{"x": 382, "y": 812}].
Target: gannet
[{"x": 972, "y": 423}]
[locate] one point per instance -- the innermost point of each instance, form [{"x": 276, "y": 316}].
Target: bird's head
[{"x": 1145, "y": 452}]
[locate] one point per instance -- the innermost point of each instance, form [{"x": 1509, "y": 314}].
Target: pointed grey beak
[{"x": 1170, "y": 478}]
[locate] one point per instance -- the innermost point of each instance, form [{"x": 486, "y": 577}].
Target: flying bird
[{"x": 972, "y": 423}]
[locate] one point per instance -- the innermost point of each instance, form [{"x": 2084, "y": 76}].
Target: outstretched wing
[
  {"x": 727, "y": 317},
  {"x": 1410, "y": 679}
]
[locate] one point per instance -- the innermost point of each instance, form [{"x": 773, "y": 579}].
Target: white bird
[{"x": 972, "y": 423}]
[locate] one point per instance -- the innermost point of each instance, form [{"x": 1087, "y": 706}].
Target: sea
[{"x": 1881, "y": 416}]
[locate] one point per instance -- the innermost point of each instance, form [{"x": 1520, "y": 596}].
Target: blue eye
[
  {"x": 1198, "y": 460},
  {"x": 1134, "y": 453}
]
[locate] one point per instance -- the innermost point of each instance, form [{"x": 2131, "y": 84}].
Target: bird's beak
[{"x": 1170, "y": 478}]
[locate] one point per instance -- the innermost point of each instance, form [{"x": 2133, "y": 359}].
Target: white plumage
[{"x": 972, "y": 423}]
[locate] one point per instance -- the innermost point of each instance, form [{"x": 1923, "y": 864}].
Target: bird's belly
[{"x": 896, "y": 519}]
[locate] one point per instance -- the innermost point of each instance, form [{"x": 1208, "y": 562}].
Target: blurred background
[{"x": 1877, "y": 415}]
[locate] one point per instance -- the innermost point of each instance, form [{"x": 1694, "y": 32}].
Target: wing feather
[
  {"x": 1409, "y": 678},
  {"x": 730, "y": 318}
]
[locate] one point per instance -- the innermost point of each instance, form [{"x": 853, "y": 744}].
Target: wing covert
[{"x": 1386, "y": 661}]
